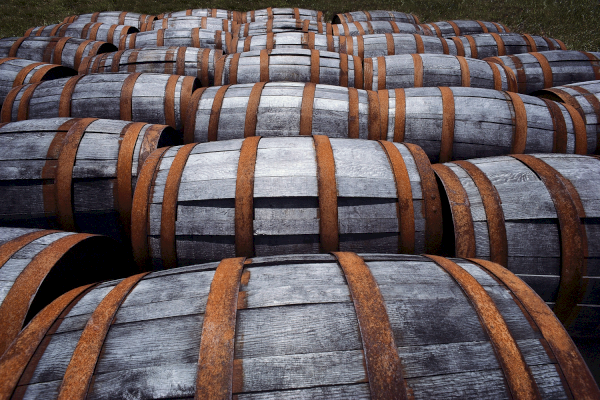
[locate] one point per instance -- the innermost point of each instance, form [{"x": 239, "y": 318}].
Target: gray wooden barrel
[
  {"x": 297, "y": 40},
  {"x": 358, "y": 28},
  {"x": 460, "y": 122},
  {"x": 389, "y": 44},
  {"x": 294, "y": 65},
  {"x": 279, "y": 25},
  {"x": 538, "y": 216},
  {"x": 418, "y": 70},
  {"x": 545, "y": 69},
  {"x": 113, "y": 18},
  {"x": 65, "y": 51},
  {"x": 139, "y": 97},
  {"x": 331, "y": 326},
  {"x": 37, "y": 266},
  {"x": 277, "y": 13},
  {"x": 485, "y": 45},
  {"x": 585, "y": 98},
  {"x": 188, "y": 61},
  {"x": 282, "y": 109},
  {"x": 195, "y": 37},
  {"x": 17, "y": 71},
  {"x": 90, "y": 30},
  {"x": 375, "y": 15},
  {"x": 190, "y": 22},
  {"x": 464, "y": 27},
  {"x": 275, "y": 196},
  {"x": 203, "y": 12},
  {"x": 74, "y": 174}
]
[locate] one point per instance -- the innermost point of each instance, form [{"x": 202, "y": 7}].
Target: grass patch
[{"x": 573, "y": 21}]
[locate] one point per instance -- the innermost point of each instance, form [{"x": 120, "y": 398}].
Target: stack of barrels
[{"x": 211, "y": 203}]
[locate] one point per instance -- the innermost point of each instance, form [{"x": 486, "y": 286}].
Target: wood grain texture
[{"x": 90, "y": 30}]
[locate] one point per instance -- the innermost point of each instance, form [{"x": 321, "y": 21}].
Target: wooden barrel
[
  {"x": 375, "y": 15},
  {"x": 459, "y": 123},
  {"x": 17, "y": 71},
  {"x": 279, "y": 25},
  {"x": 545, "y": 69},
  {"x": 293, "y": 65},
  {"x": 203, "y": 12},
  {"x": 37, "y": 266},
  {"x": 464, "y": 27},
  {"x": 538, "y": 216},
  {"x": 297, "y": 40},
  {"x": 90, "y": 30},
  {"x": 485, "y": 45},
  {"x": 190, "y": 22},
  {"x": 139, "y": 97},
  {"x": 330, "y": 326},
  {"x": 197, "y": 37},
  {"x": 359, "y": 28},
  {"x": 65, "y": 51},
  {"x": 283, "y": 196},
  {"x": 188, "y": 61},
  {"x": 585, "y": 98},
  {"x": 418, "y": 70},
  {"x": 282, "y": 109},
  {"x": 113, "y": 18},
  {"x": 75, "y": 174},
  {"x": 277, "y": 13},
  {"x": 389, "y": 44}
]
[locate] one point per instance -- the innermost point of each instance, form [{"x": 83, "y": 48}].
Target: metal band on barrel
[
  {"x": 244, "y": 198},
  {"x": 327, "y": 192},
  {"x": 519, "y": 140}
]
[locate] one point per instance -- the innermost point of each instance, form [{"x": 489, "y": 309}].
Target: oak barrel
[
  {"x": 585, "y": 98},
  {"x": 297, "y": 40},
  {"x": 274, "y": 196},
  {"x": 484, "y": 45},
  {"x": 279, "y": 25},
  {"x": 279, "y": 13},
  {"x": 17, "y": 71},
  {"x": 375, "y": 15},
  {"x": 65, "y": 51},
  {"x": 459, "y": 122},
  {"x": 195, "y": 37},
  {"x": 388, "y": 44},
  {"x": 464, "y": 27},
  {"x": 37, "y": 266},
  {"x": 538, "y": 216},
  {"x": 190, "y": 22},
  {"x": 203, "y": 12},
  {"x": 330, "y": 326},
  {"x": 74, "y": 174},
  {"x": 373, "y": 27},
  {"x": 545, "y": 69},
  {"x": 418, "y": 70},
  {"x": 139, "y": 97},
  {"x": 293, "y": 65},
  {"x": 188, "y": 61},
  {"x": 90, "y": 30},
  {"x": 113, "y": 18}
]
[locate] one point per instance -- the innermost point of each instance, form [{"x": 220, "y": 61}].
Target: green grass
[{"x": 573, "y": 21}]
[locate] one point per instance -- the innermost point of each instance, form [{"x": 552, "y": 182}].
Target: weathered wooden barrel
[
  {"x": 585, "y": 98},
  {"x": 485, "y": 45},
  {"x": 277, "y": 13},
  {"x": 279, "y": 25},
  {"x": 545, "y": 69},
  {"x": 538, "y": 216},
  {"x": 139, "y": 97},
  {"x": 297, "y": 40},
  {"x": 17, "y": 71},
  {"x": 195, "y": 37},
  {"x": 459, "y": 122},
  {"x": 190, "y": 22},
  {"x": 293, "y": 65},
  {"x": 275, "y": 196},
  {"x": 65, "y": 51},
  {"x": 75, "y": 174},
  {"x": 464, "y": 27},
  {"x": 90, "y": 30},
  {"x": 37, "y": 266},
  {"x": 282, "y": 109},
  {"x": 328, "y": 326},
  {"x": 359, "y": 28},
  {"x": 113, "y": 18},
  {"x": 375, "y": 15},
  {"x": 203, "y": 12},
  {"x": 188, "y": 61},
  {"x": 389, "y": 44},
  {"x": 419, "y": 70}
]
